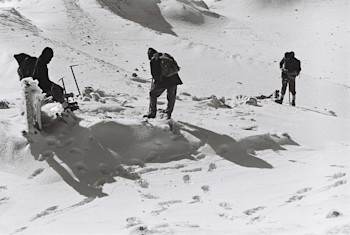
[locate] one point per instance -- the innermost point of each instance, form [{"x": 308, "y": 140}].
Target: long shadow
[
  {"x": 79, "y": 159},
  {"x": 238, "y": 152},
  {"x": 87, "y": 158},
  {"x": 145, "y": 13}
]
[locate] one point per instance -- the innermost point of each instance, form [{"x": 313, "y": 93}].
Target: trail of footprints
[
  {"x": 52, "y": 210},
  {"x": 3, "y": 200}
]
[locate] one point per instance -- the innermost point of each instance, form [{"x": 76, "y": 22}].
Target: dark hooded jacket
[
  {"x": 41, "y": 72},
  {"x": 156, "y": 72}
]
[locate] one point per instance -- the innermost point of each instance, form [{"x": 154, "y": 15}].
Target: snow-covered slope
[{"x": 223, "y": 165}]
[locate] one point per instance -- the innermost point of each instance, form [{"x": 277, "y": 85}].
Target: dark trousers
[
  {"x": 56, "y": 92},
  {"x": 288, "y": 81},
  {"x": 155, "y": 92}
]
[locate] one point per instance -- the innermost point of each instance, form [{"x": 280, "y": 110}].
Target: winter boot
[
  {"x": 280, "y": 101},
  {"x": 293, "y": 102},
  {"x": 151, "y": 115}
]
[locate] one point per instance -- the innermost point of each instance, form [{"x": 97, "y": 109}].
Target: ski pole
[{"x": 76, "y": 83}]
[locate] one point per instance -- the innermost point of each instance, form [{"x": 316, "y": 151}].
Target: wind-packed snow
[{"x": 227, "y": 163}]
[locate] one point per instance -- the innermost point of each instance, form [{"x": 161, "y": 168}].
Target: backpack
[
  {"x": 168, "y": 65},
  {"x": 26, "y": 65}
]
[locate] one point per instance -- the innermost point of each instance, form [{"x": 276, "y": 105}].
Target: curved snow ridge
[
  {"x": 11, "y": 18},
  {"x": 153, "y": 14}
]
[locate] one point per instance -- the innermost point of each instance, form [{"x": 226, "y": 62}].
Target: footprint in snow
[
  {"x": 205, "y": 188},
  {"x": 83, "y": 202},
  {"x": 334, "y": 214},
  {"x": 140, "y": 230},
  {"x": 196, "y": 199},
  {"x": 99, "y": 183},
  {"x": 3, "y": 188},
  {"x": 212, "y": 167},
  {"x": 149, "y": 196},
  {"x": 20, "y": 230},
  {"x": 298, "y": 197},
  {"x": 142, "y": 183},
  {"x": 132, "y": 222},
  {"x": 253, "y": 210},
  {"x": 157, "y": 212},
  {"x": 81, "y": 167},
  {"x": 46, "y": 212},
  {"x": 186, "y": 179},
  {"x": 76, "y": 151},
  {"x": 295, "y": 198},
  {"x": 4, "y": 200},
  {"x": 104, "y": 169},
  {"x": 294, "y": 161},
  {"x": 225, "y": 205},
  {"x": 36, "y": 173},
  {"x": 338, "y": 183},
  {"x": 337, "y": 175},
  {"x": 304, "y": 190},
  {"x": 192, "y": 170},
  {"x": 45, "y": 155},
  {"x": 167, "y": 203},
  {"x": 339, "y": 166},
  {"x": 164, "y": 206}
]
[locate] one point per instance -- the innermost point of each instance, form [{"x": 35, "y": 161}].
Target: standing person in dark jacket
[
  {"x": 291, "y": 68},
  {"x": 160, "y": 84},
  {"x": 42, "y": 75}
]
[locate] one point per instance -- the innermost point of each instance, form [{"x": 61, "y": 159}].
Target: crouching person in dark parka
[{"x": 37, "y": 68}]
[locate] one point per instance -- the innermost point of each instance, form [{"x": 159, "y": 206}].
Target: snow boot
[
  {"x": 280, "y": 101},
  {"x": 149, "y": 116},
  {"x": 70, "y": 105},
  {"x": 293, "y": 102}
]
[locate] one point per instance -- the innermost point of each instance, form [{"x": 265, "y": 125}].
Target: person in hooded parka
[
  {"x": 291, "y": 68},
  {"x": 161, "y": 83}
]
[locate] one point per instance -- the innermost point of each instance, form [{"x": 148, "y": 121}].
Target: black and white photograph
[{"x": 175, "y": 117}]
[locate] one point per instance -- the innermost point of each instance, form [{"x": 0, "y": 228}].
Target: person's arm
[{"x": 281, "y": 63}]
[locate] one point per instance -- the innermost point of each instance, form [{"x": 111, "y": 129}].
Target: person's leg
[
  {"x": 292, "y": 89},
  {"x": 283, "y": 90},
  {"x": 57, "y": 93},
  {"x": 154, "y": 93},
  {"x": 171, "y": 96}
]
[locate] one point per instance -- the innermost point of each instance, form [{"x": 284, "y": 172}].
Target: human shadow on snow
[
  {"x": 239, "y": 152},
  {"x": 88, "y": 157}
]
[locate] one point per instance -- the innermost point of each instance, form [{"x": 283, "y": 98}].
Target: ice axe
[{"x": 71, "y": 68}]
